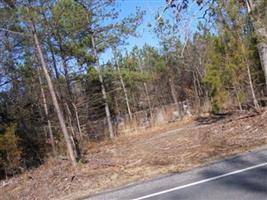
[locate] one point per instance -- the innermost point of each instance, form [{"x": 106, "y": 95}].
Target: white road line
[{"x": 202, "y": 181}]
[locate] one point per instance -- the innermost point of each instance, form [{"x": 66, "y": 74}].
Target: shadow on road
[{"x": 251, "y": 181}]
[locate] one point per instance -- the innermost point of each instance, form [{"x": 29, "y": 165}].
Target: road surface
[{"x": 243, "y": 177}]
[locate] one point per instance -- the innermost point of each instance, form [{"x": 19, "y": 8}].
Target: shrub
[{"x": 10, "y": 153}]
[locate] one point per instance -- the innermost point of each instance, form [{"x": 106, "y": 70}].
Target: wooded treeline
[{"x": 55, "y": 92}]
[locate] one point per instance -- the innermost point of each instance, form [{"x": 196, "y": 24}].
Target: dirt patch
[{"x": 140, "y": 156}]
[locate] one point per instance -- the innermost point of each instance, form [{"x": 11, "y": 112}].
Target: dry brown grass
[{"x": 172, "y": 148}]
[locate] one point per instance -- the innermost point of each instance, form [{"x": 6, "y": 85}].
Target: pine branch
[{"x": 10, "y": 31}]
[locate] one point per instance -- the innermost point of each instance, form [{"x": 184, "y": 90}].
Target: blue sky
[{"x": 152, "y": 7}]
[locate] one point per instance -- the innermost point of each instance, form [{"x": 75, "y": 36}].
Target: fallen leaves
[{"x": 140, "y": 156}]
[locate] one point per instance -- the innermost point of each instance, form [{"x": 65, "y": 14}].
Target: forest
[{"x": 58, "y": 94}]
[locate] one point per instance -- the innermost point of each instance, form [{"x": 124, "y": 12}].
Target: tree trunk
[
  {"x": 78, "y": 123},
  {"x": 262, "y": 48},
  {"x": 73, "y": 134},
  {"x": 54, "y": 98},
  {"x": 51, "y": 136},
  {"x": 146, "y": 91},
  {"x": 66, "y": 75},
  {"x": 123, "y": 85},
  {"x": 261, "y": 33},
  {"x": 53, "y": 58},
  {"x": 255, "y": 101},
  {"x": 50, "y": 46},
  {"x": 237, "y": 96},
  {"x": 111, "y": 133},
  {"x": 173, "y": 92},
  {"x": 197, "y": 98},
  {"x": 174, "y": 97}
]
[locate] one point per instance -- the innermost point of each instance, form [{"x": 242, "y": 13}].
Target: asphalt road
[{"x": 243, "y": 177}]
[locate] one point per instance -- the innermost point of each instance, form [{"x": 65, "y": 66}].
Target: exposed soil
[{"x": 175, "y": 147}]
